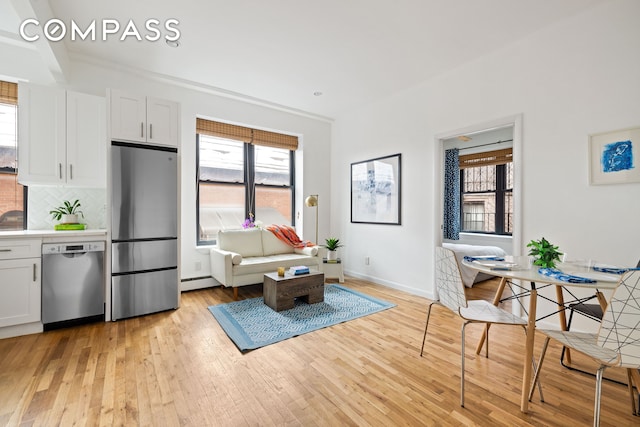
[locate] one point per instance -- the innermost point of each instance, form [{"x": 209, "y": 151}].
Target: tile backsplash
[{"x": 42, "y": 199}]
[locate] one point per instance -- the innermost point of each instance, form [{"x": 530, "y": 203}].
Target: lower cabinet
[
  {"x": 20, "y": 282},
  {"x": 19, "y": 291}
]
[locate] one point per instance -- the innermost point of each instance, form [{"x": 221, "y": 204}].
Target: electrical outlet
[
  {"x": 198, "y": 266},
  {"x": 366, "y": 260}
]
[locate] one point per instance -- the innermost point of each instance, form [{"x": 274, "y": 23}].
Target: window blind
[
  {"x": 245, "y": 134},
  {"x": 488, "y": 158},
  {"x": 8, "y": 93}
]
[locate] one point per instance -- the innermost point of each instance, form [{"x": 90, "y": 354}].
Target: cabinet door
[
  {"x": 128, "y": 117},
  {"x": 19, "y": 291},
  {"x": 86, "y": 140},
  {"x": 162, "y": 122},
  {"x": 41, "y": 134}
]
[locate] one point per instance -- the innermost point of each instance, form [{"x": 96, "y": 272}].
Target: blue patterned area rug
[{"x": 251, "y": 324}]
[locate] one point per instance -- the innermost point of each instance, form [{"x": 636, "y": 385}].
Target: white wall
[
  {"x": 570, "y": 80},
  {"x": 311, "y": 166}
]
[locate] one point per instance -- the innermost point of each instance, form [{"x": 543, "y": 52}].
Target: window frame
[
  {"x": 249, "y": 185},
  {"x": 8, "y": 98},
  {"x": 500, "y": 196}
]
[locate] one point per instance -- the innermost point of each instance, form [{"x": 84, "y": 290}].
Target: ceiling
[{"x": 281, "y": 52}]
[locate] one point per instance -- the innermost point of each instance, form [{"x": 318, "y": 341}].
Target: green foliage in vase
[
  {"x": 332, "y": 244},
  {"x": 545, "y": 253},
  {"x": 67, "y": 208}
]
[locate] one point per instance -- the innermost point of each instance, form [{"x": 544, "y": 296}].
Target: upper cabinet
[
  {"x": 144, "y": 119},
  {"x": 61, "y": 137}
]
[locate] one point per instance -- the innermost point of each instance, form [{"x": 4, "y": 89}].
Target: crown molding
[{"x": 192, "y": 85}]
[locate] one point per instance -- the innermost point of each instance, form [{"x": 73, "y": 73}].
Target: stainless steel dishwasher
[{"x": 73, "y": 283}]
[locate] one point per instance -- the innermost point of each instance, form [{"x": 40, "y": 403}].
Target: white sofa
[{"x": 242, "y": 257}]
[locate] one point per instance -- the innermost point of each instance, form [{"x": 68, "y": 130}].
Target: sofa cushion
[
  {"x": 271, "y": 263},
  {"x": 247, "y": 243},
  {"x": 271, "y": 245}
]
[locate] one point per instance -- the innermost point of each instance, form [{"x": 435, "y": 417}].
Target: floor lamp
[{"x": 312, "y": 202}]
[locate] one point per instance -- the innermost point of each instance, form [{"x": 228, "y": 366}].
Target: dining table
[{"x": 528, "y": 281}]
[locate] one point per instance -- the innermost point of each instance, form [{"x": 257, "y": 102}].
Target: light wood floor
[{"x": 179, "y": 368}]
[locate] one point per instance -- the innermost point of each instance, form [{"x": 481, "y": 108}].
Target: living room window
[
  {"x": 12, "y": 195},
  {"x": 486, "y": 192},
  {"x": 242, "y": 173}
]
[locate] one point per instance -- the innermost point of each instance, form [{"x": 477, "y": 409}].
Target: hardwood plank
[{"x": 179, "y": 368}]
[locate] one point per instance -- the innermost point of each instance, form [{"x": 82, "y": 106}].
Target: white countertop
[{"x": 52, "y": 233}]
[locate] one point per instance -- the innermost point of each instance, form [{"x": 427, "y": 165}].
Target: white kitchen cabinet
[
  {"x": 86, "y": 140},
  {"x": 62, "y": 137},
  {"x": 20, "y": 282},
  {"x": 144, "y": 119}
]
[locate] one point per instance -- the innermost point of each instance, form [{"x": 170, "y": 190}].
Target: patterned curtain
[{"x": 451, "y": 195}]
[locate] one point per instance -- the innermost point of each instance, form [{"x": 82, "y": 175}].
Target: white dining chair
[
  {"x": 617, "y": 343},
  {"x": 594, "y": 312},
  {"x": 451, "y": 294},
  {"x": 591, "y": 311}
]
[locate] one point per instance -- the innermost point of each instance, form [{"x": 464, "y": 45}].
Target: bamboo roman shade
[
  {"x": 8, "y": 93},
  {"x": 245, "y": 134},
  {"x": 488, "y": 158}
]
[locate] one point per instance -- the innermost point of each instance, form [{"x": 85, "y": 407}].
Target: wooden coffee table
[{"x": 280, "y": 292}]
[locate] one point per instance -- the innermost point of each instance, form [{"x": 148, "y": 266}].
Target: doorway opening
[{"x": 498, "y": 135}]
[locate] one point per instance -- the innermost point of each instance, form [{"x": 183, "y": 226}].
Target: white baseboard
[
  {"x": 17, "y": 330},
  {"x": 197, "y": 283},
  {"x": 393, "y": 285}
]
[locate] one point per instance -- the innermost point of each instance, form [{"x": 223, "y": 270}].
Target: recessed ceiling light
[
  {"x": 173, "y": 43},
  {"x": 317, "y": 93}
]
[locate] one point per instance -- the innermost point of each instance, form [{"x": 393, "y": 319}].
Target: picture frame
[
  {"x": 614, "y": 157},
  {"x": 376, "y": 190}
]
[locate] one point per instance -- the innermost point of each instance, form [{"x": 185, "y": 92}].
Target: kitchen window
[
  {"x": 242, "y": 173},
  {"x": 13, "y": 196}
]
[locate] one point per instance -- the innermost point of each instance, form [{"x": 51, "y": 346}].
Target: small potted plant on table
[
  {"x": 68, "y": 212},
  {"x": 545, "y": 253},
  {"x": 332, "y": 244}
]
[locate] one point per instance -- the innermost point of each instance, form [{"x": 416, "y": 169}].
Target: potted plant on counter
[
  {"x": 332, "y": 244},
  {"x": 545, "y": 254},
  {"x": 68, "y": 212}
]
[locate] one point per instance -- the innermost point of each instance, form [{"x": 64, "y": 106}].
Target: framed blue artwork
[{"x": 614, "y": 157}]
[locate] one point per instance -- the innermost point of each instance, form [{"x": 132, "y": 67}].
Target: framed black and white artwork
[{"x": 375, "y": 190}]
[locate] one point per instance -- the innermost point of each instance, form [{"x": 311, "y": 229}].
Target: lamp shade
[{"x": 311, "y": 200}]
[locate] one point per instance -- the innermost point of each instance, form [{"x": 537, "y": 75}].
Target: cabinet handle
[
  {"x": 60, "y": 170},
  {"x": 70, "y": 171},
  {"x": 141, "y": 129},
  {"x": 150, "y": 130},
  {"x": 5, "y": 250},
  {"x": 34, "y": 272}
]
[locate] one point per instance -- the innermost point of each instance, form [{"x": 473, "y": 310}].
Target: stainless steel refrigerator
[{"x": 144, "y": 229}]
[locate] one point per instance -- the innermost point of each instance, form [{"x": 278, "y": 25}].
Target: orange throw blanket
[{"x": 288, "y": 235}]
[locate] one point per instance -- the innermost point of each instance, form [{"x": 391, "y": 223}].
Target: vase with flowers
[{"x": 251, "y": 223}]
